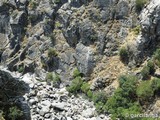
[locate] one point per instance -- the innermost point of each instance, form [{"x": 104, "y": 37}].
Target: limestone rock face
[
  {"x": 85, "y": 59},
  {"x": 149, "y": 37},
  {"x": 12, "y": 91},
  {"x": 40, "y": 36}
]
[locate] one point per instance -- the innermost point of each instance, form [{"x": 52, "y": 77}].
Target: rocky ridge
[{"x": 39, "y": 37}]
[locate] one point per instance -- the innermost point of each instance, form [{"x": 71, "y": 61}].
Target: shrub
[
  {"x": 57, "y": 24},
  {"x": 90, "y": 94},
  {"x": 57, "y": 1},
  {"x": 156, "y": 85},
  {"x": 145, "y": 72},
  {"x": 14, "y": 113},
  {"x": 76, "y": 73},
  {"x": 124, "y": 98},
  {"x": 99, "y": 98},
  {"x": 124, "y": 54},
  {"x": 156, "y": 57},
  {"x": 85, "y": 87},
  {"x": 148, "y": 70},
  {"x": 128, "y": 83},
  {"x": 119, "y": 105},
  {"x": 94, "y": 37},
  {"x": 52, "y": 52},
  {"x": 151, "y": 66},
  {"x": 137, "y": 30},
  {"x": 140, "y": 4},
  {"x": 20, "y": 69},
  {"x": 33, "y": 4},
  {"x": 145, "y": 90},
  {"x": 54, "y": 78},
  {"x": 75, "y": 85}
]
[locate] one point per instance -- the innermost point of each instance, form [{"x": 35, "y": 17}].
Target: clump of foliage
[
  {"x": 85, "y": 87},
  {"x": 99, "y": 98},
  {"x": 140, "y": 4},
  {"x": 148, "y": 89},
  {"x": 75, "y": 86},
  {"x": 123, "y": 52},
  {"x": 136, "y": 30},
  {"x": 156, "y": 85},
  {"x": 52, "y": 52},
  {"x": 156, "y": 57},
  {"x": 57, "y": 24},
  {"x": 145, "y": 72},
  {"x": 53, "y": 78},
  {"x": 57, "y": 1},
  {"x": 20, "y": 69},
  {"x": 145, "y": 90},
  {"x": 14, "y": 113},
  {"x": 151, "y": 66},
  {"x": 33, "y": 4},
  {"x": 148, "y": 70},
  {"x": 124, "y": 99},
  {"x": 76, "y": 73},
  {"x": 94, "y": 37}
]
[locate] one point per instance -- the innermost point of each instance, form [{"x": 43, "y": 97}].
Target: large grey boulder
[{"x": 85, "y": 59}]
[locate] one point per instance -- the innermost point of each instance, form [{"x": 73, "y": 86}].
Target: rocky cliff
[{"x": 38, "y": 37}]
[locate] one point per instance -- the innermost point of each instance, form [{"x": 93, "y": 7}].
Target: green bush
[
  {"x": 145, "y": 72},
  {"x": 140, "y": 4},
  {"x": 124, "y": 54},
  {"x": 124, "y": 99},
  {"x": 54, "y": 78},
  {"x": 57, "y": 1},
  {"x": 52, "y": 52},
  {"x": 119, "y": 105},
  {"x": 128, "y": 83},
  {"x": 136, "y": 30},
  {"x": 151, "y": 66},
  {"x": 33, "y": 4},
  {"x": 148, "y": 70},
  {"x": 85, "y": 87},
  {"x": 76, "y": 73},
  {"x": 20, "y": 69},
  {"x": 99, "y": 98},
  {"x": 90, "y": 94},
  {"x": 75, "y": 85},
  {"x": 156, "y": 57},
  {"x": 14, "y": 113},
  {"x": 145, "y": 90},
  {"x": 156, "y": 85}
]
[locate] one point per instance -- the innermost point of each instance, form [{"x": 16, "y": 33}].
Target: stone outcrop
[
  {"x": 11, "y": 93},
  {"x": 83, "y": 34},
  {"x": 148, "y": 39}
]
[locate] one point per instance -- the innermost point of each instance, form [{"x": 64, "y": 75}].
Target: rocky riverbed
[{"x": 49, "y": 103}]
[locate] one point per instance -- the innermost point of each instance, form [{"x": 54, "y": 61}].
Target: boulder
[{"x": 84, "y": 59}]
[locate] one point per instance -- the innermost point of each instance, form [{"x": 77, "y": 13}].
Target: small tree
[
  {"x": 85, "y": 87},
  {"x": 54, "y": 78},
  {"x": 76, "y": 73},
  {"x": 145, "y": 90},
  {"x": 124, "y": 54},
  {"x": 52, "y": 52},
  {"x": 145, "y": 72},
  {"x": 75, "y": 85},
  {"x": 14, "y": 113},
  {"x": 140, "y": 4}
]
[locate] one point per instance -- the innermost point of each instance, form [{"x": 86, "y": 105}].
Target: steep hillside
[{"x": 98, "y": 49}]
